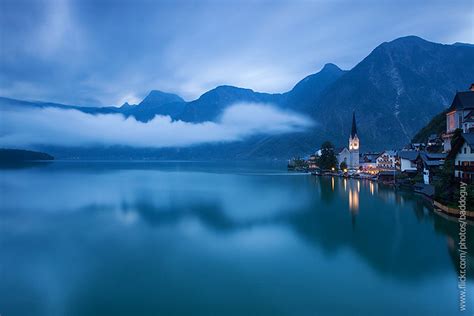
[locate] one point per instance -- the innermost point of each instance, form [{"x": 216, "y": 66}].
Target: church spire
[{"x": 354, "y": 126}]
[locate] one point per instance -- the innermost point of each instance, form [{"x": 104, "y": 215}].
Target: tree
[
  {"x": 343, "y": 165},
  {"x": 328, "y": 159},
  {"x": 446, "y": 184}
]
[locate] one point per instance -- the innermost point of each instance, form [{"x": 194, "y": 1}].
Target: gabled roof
[
  {"x": 369, "y": 157},
  {"x": 432, "y": 159},
  {"x": 469, "y": 139},
  {"x": 462, "y": 101},
  {"x": 340, "y": 150},
  {"x": 469, "y": 117},
  {"x": 433, "y": 163},
  {"x": 388, "y": 152},
  {"x": 408, "y": 154},
  {"x": 465, "y": 138},
  {"x": 435, "y": 156}
]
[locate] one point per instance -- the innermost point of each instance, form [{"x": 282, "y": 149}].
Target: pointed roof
[
  {"x": 354, "y": 126},
  {"x": 462, "y": 101}
]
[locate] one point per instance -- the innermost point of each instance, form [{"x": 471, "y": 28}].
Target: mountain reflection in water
[{"x": 101, "y": 238}]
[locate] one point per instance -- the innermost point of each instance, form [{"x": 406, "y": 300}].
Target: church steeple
[
  {"x": 354, "y": 146},
  {"x": 354, "y": 126},
  {"x": 353, "y": 138}
]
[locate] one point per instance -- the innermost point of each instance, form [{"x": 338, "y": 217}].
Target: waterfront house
[
  {"x": 463, "y": 155},
  {"x": 407, "y": 161},
  {"x": 429, "y": 164},
  {"x": 386, "y": 160},
  {"x": 312, "y": 162},
  {"x": 459, "y": 115},
  {"x": 368, "y": 162}
]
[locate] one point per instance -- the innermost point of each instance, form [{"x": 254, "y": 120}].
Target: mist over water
[{"x": 69, "y": 128}]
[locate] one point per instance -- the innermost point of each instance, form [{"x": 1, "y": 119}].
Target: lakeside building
[
  {"x": 343, "y": 155},
  {"x": 351, "y": 156},
  {"x": 429, "y": 164},
  {"x": 459, "y": 115},
  {"x": 368, "y": 162},
  {"x": 463, "y": 155},
  {"x": 407, "y": 161},
  {"x": 387, "y": 160},
  {"x": 313, "y": 162}
]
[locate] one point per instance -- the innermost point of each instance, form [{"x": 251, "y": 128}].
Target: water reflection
[
  {"x": 371, "y": 186},
  {"x": 133, "y": 225},
  {"x": 354, "y": 198}
]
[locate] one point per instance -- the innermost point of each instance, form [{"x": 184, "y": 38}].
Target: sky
[{"x": 108, "y": 52}]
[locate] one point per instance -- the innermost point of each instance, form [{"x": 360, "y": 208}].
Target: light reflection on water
[{"x": 209, "y": 238}]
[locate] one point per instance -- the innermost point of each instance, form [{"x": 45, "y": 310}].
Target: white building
[
  {"x": 430, "y": 164},
  {"x": 407, "y": 160},
  {"x": 344, "y": 155},
  {"x": 387, "y": 160},
  {"x": 463, "y": 154}
]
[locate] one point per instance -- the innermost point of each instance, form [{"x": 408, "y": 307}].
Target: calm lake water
[{"x": 167, "y": 238}]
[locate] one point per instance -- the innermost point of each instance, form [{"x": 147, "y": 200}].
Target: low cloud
[{"x": 52, "y": 126}]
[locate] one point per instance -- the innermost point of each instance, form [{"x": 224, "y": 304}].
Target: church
[{"x": 351, "y": 156}]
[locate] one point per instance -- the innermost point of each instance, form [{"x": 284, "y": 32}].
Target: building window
[{"x": 465, "y": 150}]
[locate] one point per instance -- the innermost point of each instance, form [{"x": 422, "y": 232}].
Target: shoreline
[{"x": 438, "y": 207}]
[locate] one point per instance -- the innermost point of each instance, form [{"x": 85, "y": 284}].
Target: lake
[{"x": 207, "y": 238}]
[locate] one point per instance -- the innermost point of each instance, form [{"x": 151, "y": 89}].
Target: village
[{"x": 434, "y": 168}]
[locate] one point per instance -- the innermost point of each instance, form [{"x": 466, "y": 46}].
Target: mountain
[
  {"x": 211, "y": 104},
  {"x": 395, "y": 91},
  {"x": 13, "y": 104},
  {"x": 19, "y": 155},
  {"x": 158, "y": 98},
  {"x": 156, "y": 103},
  {"x": 307, "y": 92},
  {"x": 126, "y": 107},
  {"x": 301, "y": 98}
]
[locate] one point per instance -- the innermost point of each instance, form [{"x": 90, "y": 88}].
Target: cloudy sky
[{"x": 107, "y": 52}]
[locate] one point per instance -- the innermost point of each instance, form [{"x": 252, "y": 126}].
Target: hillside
[
  {"x": 18, "y": 155},
  {"x": 437, "y": 126}
]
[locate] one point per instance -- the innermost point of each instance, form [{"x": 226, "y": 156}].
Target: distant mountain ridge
[{"x": 397, "y": 89}]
